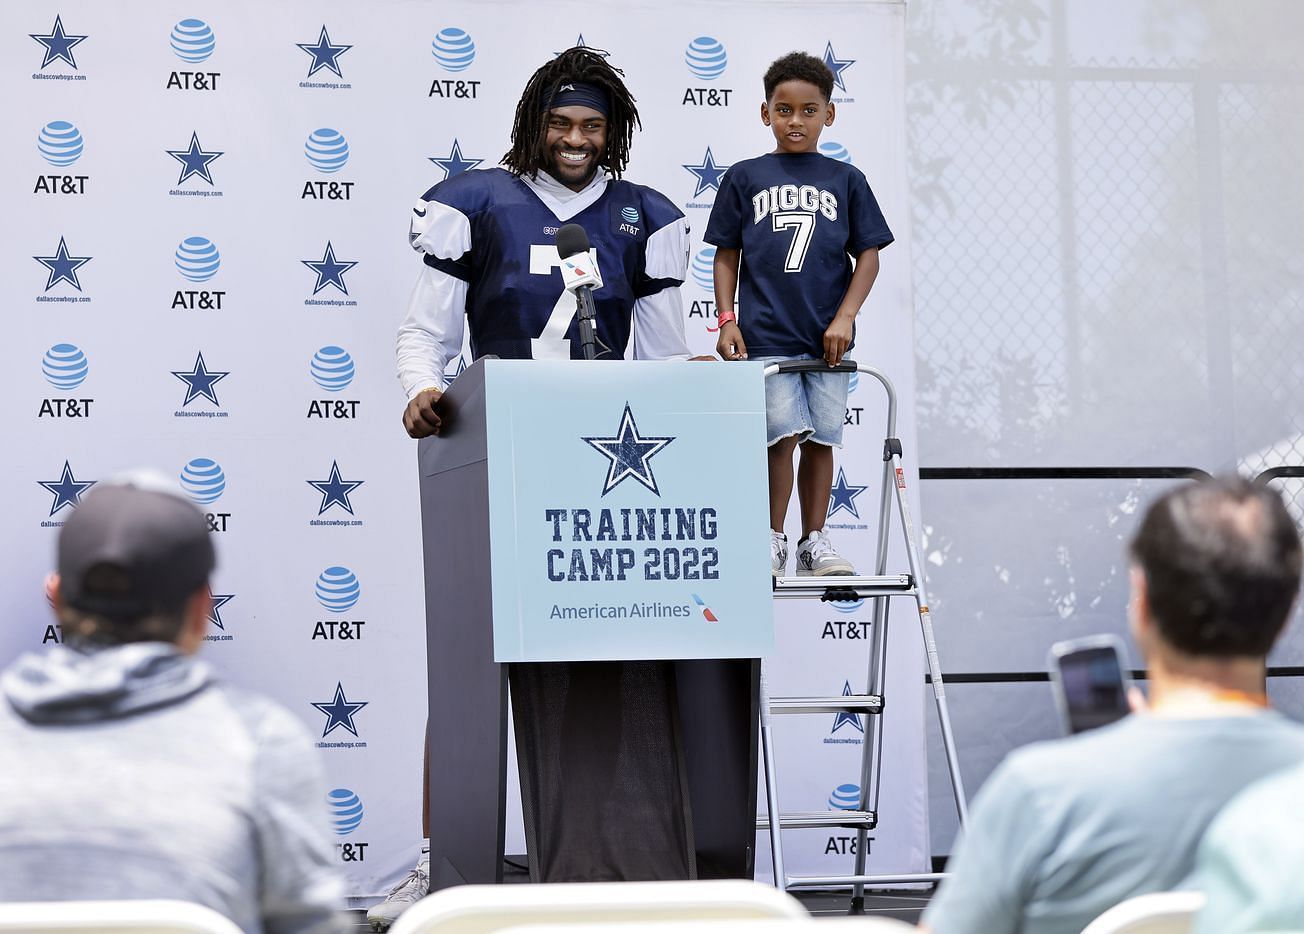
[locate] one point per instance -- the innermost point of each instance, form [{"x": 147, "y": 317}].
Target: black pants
[{"x": 615, "y": 756}]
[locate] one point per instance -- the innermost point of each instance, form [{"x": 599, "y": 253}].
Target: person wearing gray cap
[{"x": 131, "y": 770}]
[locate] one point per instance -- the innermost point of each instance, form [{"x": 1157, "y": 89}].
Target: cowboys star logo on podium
[{"x": 629, "y": 454}]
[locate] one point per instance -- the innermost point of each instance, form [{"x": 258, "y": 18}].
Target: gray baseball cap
[{"x": 133, "y": 546}]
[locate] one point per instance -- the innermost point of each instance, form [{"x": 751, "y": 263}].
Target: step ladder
[{"x": 880, "y": 588}]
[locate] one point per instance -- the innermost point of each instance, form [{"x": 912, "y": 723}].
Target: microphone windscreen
[{"x": 572, "y": 239}]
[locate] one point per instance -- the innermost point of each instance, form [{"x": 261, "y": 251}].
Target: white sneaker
[
  {"x": 778, "y": 553},
  {"x": 414, "y": 887},
  {"x": 816, "y": 557}
]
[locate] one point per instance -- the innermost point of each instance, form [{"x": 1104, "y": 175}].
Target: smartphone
[{"x": 1090, "y": 681}]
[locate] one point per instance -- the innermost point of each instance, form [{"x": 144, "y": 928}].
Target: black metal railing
[{"x": 1086, "y": 473}]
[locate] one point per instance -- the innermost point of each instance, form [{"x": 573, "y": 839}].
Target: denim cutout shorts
[{"x": 812, "y": 406}]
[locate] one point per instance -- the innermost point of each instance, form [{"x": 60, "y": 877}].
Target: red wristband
[{"x": 724, "y": 317}]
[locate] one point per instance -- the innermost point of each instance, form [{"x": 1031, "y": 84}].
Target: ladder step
[
  {"x": 848, "y": 703},
  {"x": 828, "y": 882},
  {"x": 809, "y": 819},
  {"x": 843, "y": 588}
]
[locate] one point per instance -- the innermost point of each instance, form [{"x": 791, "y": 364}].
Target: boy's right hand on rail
[{"x": 729, "y": 345}]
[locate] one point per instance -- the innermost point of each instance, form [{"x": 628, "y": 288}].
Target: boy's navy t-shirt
[{"x": 798, "y": 218}]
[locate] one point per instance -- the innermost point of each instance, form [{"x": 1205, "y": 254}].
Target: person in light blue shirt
[
  {"x": 1251, "y": 860},
  {"x": 1064, "y": 830}
]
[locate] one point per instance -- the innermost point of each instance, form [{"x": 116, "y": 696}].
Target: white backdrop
[{"x": 122, "y": 113}]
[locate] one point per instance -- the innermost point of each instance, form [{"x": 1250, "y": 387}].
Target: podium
[{"x": 595, "y": 512}]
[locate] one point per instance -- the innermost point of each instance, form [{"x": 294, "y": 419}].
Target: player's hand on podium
[
  {"x": 729, "y": 345},
  {"x": 420, "y": 418}
]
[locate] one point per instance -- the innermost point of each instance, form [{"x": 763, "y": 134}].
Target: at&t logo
[
  {"x": 702, "y": 270},
  {"x": 706, "y": 60},
  {"x": 65, "y": 367},
  {"x": 332, "y": 369},
  {"x": 454, "y": 50},
  {"x": 193, "y": 42},
  {"x": 835, "y": 150},
  {"x": 338, "y": 590},
  {"x": 846, "y": 628},
  {"x": 204, "y": 482},
  {"x": 327, "y": 151},
  {"x": 346, "y": 813},
  {"x": 629, "y": 218},
  {"x": 60, "y": 144},
  {"x": 846, "y": 798},
  {"x": 198, "y": 260}
]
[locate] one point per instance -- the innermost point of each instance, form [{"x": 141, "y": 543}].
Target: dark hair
[
  {"x": 83, "y": 627},
  {"x": 1221, "y": 560},
  {"x": 799, "y": 66},
  {"x": 527, "y": 156}
]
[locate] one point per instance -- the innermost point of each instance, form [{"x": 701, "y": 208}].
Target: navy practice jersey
[
  {"x": 798, "y": 218},
  {"x": 489, "y": 229}
]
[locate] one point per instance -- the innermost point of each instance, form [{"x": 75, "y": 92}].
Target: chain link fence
[
  {"x": 1106, "y": 204},
  {"x": 1106, "y": 273}
]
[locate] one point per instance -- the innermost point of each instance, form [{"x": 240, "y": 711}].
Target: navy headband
[{"x": 581, "y": 94}]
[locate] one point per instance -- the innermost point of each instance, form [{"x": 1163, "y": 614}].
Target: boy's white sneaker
[
  {"x": 410, "y": 890},
  {"x": 816, "y": 557},
  {"x": 778, "y": 553}
]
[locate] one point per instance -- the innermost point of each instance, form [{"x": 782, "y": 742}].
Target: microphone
[{"x": 579, "y": 271}]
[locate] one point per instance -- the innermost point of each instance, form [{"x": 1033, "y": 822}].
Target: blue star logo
[
  {"x": 215, "y": 614},
  {"x": 63, "y": 267},
  {"x": 58, "y": 44},
  {"x": 200, "y": 381},
  {"x": 837, "y": 66},
  {"x": 454, "y": 164},
  {"x": 843, "y": 496},
  {"x": 67, "y": 489},
  {"x": 708, "y": 174},
  {"x": 629, "y": 454},
  {"x": 340, "y": 712},
  {"x": 581, "y": 44},
  {"x": 329, "y": 270},
  {"x": 324, "y": 54},
  {"x": 458, "y": 369},
  {"x": 846, "y": 717},
  {"x": 335, "y": 490},
  {"x": 194, "y": 161}
]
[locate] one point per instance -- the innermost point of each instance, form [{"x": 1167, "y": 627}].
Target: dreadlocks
[{"x": 579, "y": 64}]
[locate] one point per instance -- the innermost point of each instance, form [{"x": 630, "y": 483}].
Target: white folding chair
[
  {"x": 147, "y": 916},
  {"x": 858, "y": 924},
  {"x": 1156, "y": 913},
  {"x": 484, "y": 909}
]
